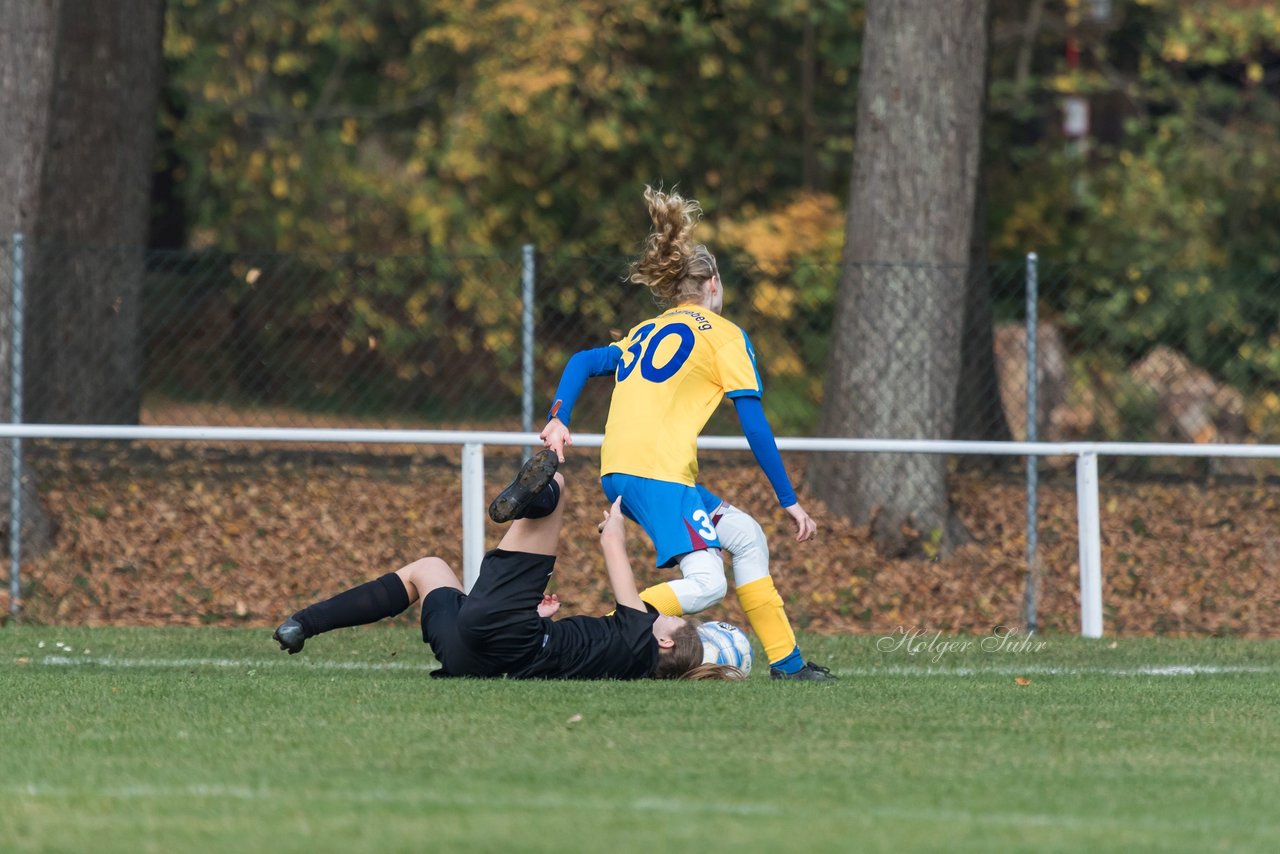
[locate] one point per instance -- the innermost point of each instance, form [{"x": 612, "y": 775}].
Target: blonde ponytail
[{"x": 672, "y": 267}]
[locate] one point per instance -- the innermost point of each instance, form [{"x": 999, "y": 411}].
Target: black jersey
[
  {"x": 619, "y": 646},
  {"x": 496, "y": 631}
]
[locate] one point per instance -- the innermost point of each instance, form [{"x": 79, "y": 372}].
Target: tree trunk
[
  {"x": 896, "y": 349},
  {"x": 28, "y": 34},
  {"x": 979, "y": 413},
  {"x": 78, "y": 90},
  {"x": 84, "y": 363}
]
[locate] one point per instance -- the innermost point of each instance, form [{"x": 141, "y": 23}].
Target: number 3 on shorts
[{"x": 708, "y": 530}]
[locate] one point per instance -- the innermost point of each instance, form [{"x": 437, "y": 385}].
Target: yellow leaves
[
  {"x": 416, "y": 309},
  {"x": 1064, "y": 84},
  {"x": 348, "y": 132},
  {"x": 523, "y": 85},
  {"x": 1176, "y": 50},
  {"x": 1253, "y": 72},
  {"x": 604, "y": 133},
  {"x": 809, "y": 226},
  {"x": 279, "y": 187},
  {"x": 180, "y": 45},
  {"x": 786, "y": 364},
  {"x": 773, "y": 300}
]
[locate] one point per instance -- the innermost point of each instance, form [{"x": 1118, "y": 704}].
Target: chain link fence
[{"x": 297, "y": 340}]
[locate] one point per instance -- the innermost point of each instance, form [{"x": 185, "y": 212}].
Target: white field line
[
  {"x": 228, "y": 663},
  {"x": 861, "y": 813},
  {"x": 890, "y": 670},
  {"x": 1062, "y": 670}
]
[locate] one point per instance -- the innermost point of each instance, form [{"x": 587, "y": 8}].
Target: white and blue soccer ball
[{"x": 725, "y": 643}]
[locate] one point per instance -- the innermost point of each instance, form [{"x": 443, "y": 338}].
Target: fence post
[
  {"x": 472, "y": 512},
  {"x": 15, "y": 444},
  {"x": 1033, "y": 293},
  {"x": 526, "y": 402},
  {"x": 1090, "y": 545}
]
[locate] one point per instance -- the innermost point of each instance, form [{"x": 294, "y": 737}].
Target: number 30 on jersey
[{"x": 643, "y": 349}]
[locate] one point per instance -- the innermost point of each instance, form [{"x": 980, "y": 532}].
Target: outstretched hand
[
  {"x": 612, "y": 527},
  {"x": 556, "y": 436},
  {"x": 806, "y": 528}
]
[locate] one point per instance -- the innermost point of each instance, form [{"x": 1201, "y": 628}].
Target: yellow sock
[
  {"x": 764, "y": 609},
  {"x": 663, "y": 598}
]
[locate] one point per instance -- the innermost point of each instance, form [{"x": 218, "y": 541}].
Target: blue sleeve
[
  {"x": 582, "y": 366},
  {"x": 760, "y": 437}
]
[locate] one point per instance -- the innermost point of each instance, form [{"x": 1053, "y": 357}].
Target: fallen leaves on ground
[{"x": 245, "y": 536}]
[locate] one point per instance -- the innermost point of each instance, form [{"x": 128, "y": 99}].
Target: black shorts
[{"x": 495, "y": 628}]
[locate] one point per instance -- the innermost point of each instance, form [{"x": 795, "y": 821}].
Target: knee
[
  {"x": 706, "y": 584},
  {"x": 743, "y": 538},
  {"x": 706, "y": 591},
  {"x": 426, "y": 574}
]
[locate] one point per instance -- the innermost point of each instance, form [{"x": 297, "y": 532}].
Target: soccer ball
[{"x": 725, "y": 643}]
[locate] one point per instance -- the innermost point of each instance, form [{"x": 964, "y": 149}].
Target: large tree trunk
[
  {"x": 979, "y": 413},
  {"x": 78, "y": 89},
  {"x": 896, "y": 348},
  {"x": 28, "y": 33},
  {"x": 84, "y": 363}
]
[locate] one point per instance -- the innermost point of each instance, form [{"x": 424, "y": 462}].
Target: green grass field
[{"x": 212, "y": 740}]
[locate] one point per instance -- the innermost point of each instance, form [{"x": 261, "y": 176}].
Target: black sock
[
  {"x": 365, "y": 603},
  {"x": 544, "y": 503}
]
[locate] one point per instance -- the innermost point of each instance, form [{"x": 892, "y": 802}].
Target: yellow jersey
[{"x": 674, "y": 370}]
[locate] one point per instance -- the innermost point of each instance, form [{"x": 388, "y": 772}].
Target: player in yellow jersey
[{"x": 671, "y": 373}]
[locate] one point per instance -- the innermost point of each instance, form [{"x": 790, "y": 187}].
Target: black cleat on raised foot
[
  {"x": 533, "y": 477},
  {"x": 290, "y": 636},
  {"x": 809, "y": 673}
]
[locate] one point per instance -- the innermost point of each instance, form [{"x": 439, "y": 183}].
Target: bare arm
[{"x": 613, "y": 542}]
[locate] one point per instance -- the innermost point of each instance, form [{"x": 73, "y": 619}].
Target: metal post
[
  {"x": 15, "y": 444},
  {"x": 1033, "y": 293},
  {"x": 473, "y": 514},
  {"x": 526, "y": 403},
  {"x": 1090, "y": 545}
]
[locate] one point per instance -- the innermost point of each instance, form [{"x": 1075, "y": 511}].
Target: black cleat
[
  {"x": 290, "y": 636},
  {"x": 532, "y": 479},
  {"x": 809, "y": 673}
]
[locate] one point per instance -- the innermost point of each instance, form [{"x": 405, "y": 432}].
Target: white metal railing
[{"x": 473, "y": 442}]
